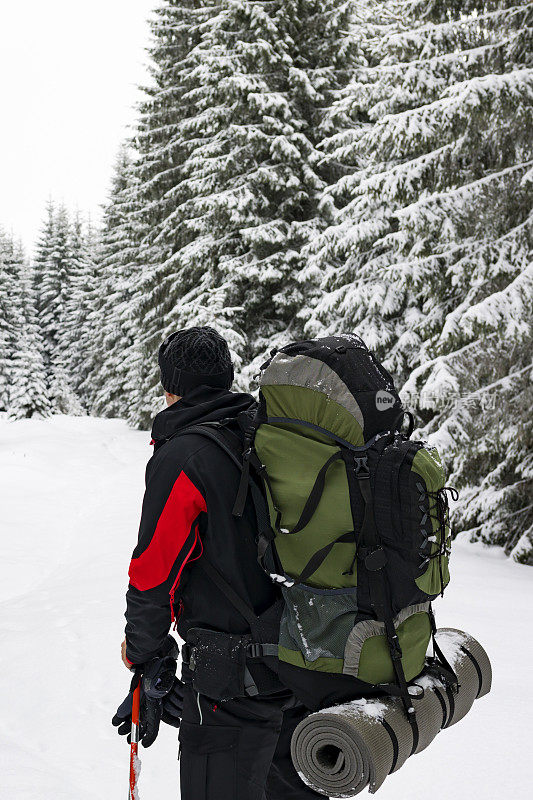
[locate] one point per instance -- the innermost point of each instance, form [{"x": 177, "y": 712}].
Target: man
[{"x": 196, "y": 564}]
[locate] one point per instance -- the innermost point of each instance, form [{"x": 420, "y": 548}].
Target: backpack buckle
[
  {"x": 361, "y": 467},
  {"x": 255, "y": 650}
]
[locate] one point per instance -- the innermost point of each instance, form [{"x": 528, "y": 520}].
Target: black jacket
[{"x": 190, "y": 488}]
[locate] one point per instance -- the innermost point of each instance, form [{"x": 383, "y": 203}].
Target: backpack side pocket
[{"x": 367, "y": 655}]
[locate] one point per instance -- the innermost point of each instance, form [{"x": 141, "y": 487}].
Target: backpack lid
[{"x": 334, "y": 383}]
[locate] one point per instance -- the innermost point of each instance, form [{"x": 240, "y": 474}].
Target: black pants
[{"x": 239, "y": 749}]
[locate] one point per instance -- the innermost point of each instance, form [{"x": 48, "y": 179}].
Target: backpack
[{"x": 357, "y": 532}]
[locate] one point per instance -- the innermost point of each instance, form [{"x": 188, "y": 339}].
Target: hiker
[{"x": 195, "y": 565}]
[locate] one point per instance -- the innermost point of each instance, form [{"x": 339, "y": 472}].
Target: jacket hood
[{"x": 202, "y": 404}]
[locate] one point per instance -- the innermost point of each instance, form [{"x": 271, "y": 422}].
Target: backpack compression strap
[
  {"x": 374, "y": 559},
  {"x": 313, "y": 500}
]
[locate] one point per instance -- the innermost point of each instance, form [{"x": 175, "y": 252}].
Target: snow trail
[{"x": 71, "y": 498}]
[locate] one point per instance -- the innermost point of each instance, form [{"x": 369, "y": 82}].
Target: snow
[
  {"x": 369, "y": 708},
  {"x": 71, "y": 497},
  {"x": 137, "y": 766},
  {"x": 450, "y": 643}
]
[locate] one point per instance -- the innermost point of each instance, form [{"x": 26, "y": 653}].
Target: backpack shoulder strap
[
  {"x": 231, "y": 444},
  {"x": 216, "y": 432},
  {"x": 233, "y": 447}
]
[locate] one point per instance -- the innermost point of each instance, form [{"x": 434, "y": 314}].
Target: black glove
[
  {"x": 173, "y": 705},
  {"x": 156, "y": 678}
]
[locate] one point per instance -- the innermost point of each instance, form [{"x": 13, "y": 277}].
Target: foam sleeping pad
[
  {"x": 342, "y": 750},
  {"x": 472, "y": 667}
]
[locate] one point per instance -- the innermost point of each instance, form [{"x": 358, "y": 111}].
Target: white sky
[{"x": 68, "y": 76}]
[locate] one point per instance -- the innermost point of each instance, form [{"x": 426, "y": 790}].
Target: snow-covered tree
[
  {"x": 52, "y": 275},
  {"x": 84, "y": 289},
  {"x": 428, "y": 255},
  {"x": 112, "y": 379},
  {"x": 23, "y": 387},
  {"x": 131, "y": 327},
  {"x": 229, "y": 173},
  {"x": 9, "y": 313},
  {"x": 28, "y": 396}
]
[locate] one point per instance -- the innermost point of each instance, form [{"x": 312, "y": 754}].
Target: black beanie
[{"x": 195, "y": 357}]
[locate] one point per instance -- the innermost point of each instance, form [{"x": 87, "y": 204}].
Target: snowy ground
[{"x": 71, "y": 492}]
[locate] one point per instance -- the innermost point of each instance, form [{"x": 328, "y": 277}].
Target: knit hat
[{"x": 195, "y": 357}]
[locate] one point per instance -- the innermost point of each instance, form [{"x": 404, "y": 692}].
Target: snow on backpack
[{"x": 358, "y": 535}]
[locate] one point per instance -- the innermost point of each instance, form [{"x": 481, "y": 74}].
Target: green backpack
[{"x": 358, "y": 535}]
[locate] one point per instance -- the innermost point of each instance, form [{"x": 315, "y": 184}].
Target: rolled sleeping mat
[
  {"x": 472, "y": 667},
  {"x": 341, "y": 750},
  {"x": 401, "y": 732},
  {"x": 414, "y": 735},
  {"x": 429, "y": 718},
  {"x": 338, "y": 752}
]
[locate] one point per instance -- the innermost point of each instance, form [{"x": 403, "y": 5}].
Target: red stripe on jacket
[{"x": 183, "y": 506}]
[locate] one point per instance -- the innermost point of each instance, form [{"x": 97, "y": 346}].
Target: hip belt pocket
[{"x": 217, "y": 663}]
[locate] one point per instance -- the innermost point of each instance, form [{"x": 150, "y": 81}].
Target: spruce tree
[
  {"x": 9, "y": 312},
  {"x": 28, "y": 395},
  {"x": 233, "y": 193},
  {"x": 122, "y": 375},
  {"x": 159, "y": 155},
  {"x": 52, "y": 283},
  {"x": 79, "y": 335},
  {"x": 429, "y": 252},
  {"x": 23, "y": 388},
  {"x": 112, "y": 378}
]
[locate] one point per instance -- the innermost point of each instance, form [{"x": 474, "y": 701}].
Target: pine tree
[
  {"x": 23, "y": 389},
  {"x": 176, "y": 30},
  {"x": 122, "y": 371},
  {"x": 52, "y": 283},
  {"x": 148, "y": 200},
  {"x": 28, "y": 395},
  {"x": 9, "y": 312},
  {"x": 234, "y": 177},
  {"x": 429, "y": 252},
  {"x": 79, "y": 333},
  {"x": 112, "y": 371}
]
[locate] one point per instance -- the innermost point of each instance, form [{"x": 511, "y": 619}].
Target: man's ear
[{"x": 171, "y": 398}]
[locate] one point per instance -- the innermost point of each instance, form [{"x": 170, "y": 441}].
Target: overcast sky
[{"x": 68, "y": 76}]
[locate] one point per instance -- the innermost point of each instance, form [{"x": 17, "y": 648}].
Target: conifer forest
[{"x": 301, "y": 168}]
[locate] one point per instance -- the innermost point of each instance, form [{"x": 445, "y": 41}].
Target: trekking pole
[{"x": 134, "y": 758}]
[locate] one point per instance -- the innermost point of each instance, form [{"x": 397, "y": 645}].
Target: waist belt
[
  {"x": 217, "y": 663},
  {"x": 253, "y": 650},
  {"x": 260, "y": 650},
  {"x": 231, "y": 678}
]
